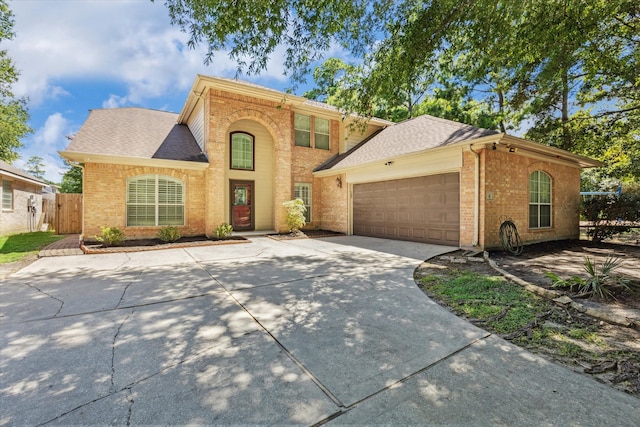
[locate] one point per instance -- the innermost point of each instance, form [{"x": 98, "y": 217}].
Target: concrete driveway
[{"x": 270, "y": 332}]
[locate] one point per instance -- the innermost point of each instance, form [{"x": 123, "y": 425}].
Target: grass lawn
[
  {"x": 475, "y": 292},
  {"x": 18, "y": 246}
]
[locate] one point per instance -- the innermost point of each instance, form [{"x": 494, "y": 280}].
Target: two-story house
[{"x": 237, "y": 151}]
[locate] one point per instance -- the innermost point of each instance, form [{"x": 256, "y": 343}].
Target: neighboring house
[
  {"x": 21, "y": 200},
  {"x": 237, "y": 151}
]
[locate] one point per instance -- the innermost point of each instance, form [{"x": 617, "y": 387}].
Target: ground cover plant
[
  {"x": 18, "y": 246},
  {"x": 476, "y": 292}
]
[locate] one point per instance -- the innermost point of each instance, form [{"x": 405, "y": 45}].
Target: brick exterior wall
[
  {"x": 304, "y": 160},
  {"x": 224, "y": 109},
  {"x": 505, "y": 176},
  {"x": 207, "y": 191},
  {"x": 18, "y": 219},
  {"x": 105, "y": 204},
  {"x": 467, "y": 200},
  {"x": 334, "y": 204},
  {"x": 291, "y": 163}
]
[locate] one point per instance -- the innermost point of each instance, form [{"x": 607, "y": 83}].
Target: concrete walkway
[{"x": 271, "y": 332}]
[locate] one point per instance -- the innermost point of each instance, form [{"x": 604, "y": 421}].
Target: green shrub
[
  {"x": 599, "y": 282},
  {"x": 111, "y": 236},
  {"x": 223, "y": 231},
  {"x": 605, "y": 212},
  {"x": 295, "y": 214},
  {"x": 169, "y": 234}
]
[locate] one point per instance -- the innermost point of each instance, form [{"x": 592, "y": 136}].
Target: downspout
[
  {"x": 81, "y": 166},
  {"x": 476, "y": 203}
]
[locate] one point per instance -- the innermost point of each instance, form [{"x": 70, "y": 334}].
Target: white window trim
[
  {"x": 9, "y": 209},
  {"x": 156, "y": 204},
  {"x": 538, "y": 204}
]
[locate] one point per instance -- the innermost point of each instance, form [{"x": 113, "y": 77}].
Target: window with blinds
[
  {"x": 321, "y": 135},
  {"x": 7, "y": 195},
  {"x": 303, "y": 191},
  {"x": 155, "y": 200}
]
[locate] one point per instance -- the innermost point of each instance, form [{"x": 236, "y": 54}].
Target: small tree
[
  {"x": 295, "y": 214},
  {"x": 35, "y": 166},
  {"x": 71, "y": 179}
]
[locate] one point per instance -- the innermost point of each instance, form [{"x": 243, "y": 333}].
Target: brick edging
[{"x": 117, "y": 249}]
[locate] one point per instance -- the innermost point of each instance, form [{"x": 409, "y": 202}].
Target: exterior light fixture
[{"x": 339, "y": 182}]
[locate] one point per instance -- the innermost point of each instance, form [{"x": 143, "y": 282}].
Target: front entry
[{"x": 242, "y": 200}]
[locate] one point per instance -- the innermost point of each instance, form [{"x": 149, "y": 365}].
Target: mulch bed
[
  {"x": 139, "y": 245},
  {"x": 566, "y": 258},
  {"x": 306, "y": 234}
]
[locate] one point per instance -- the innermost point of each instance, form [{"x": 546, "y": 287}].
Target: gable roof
[
  {"x": 411, "y": 136},
  {"x": 14, "y": 172},
  {"x": 202, "y": 82},
  {"x": 136, "y": 132}
]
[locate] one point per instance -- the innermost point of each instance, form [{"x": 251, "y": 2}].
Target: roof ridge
[
  {"x": 155, "y": 110},
  {"x": 453, "y": 122}
]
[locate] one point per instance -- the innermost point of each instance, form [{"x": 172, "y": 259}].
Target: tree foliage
[
  {"x": 71, "y": 179},
  {"x": 13, "y": 111},
  {"x": 35, "y": 166},
  {"x": 567, "y": 69}
]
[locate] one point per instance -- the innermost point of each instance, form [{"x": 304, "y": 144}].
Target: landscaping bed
[
  {"x": 305, "y": 234},
  {"x": 475, "y": 291},
  {"x": 137, "y": 245},
  {"x": 566, "y": 258}
]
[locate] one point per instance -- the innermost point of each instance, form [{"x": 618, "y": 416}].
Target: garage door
[{"x": 423, "y": 209}]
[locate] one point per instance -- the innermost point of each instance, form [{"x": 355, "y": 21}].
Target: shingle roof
[
  {"x": 6, "y": 167},
  {"x": 413, "y": 135},
  {"x": 136, "y": 132}
]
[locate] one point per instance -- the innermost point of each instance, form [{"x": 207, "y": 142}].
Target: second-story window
[
  {"x": 321, "y": 134},
  {"x": 302, "y": 125},
  {"x": 242, "y": 148},
  {"x": 311, "y": 131}
]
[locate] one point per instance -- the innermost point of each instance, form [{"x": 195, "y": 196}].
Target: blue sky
[{"x": 77, "y": 55}]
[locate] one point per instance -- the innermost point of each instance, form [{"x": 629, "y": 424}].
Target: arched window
[
  {"x": 154, "y": 200},
  {"x": 539, "y": 200},
  {"x": 242, "y": 149}
]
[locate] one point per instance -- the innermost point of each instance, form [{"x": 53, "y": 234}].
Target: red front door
[{"x": 242, "y": 205}]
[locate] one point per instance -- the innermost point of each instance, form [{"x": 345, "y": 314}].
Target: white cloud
[
  {"x": 46, "y": 142},
  {"x": 115, "y": 101},
  {"x": 53, "y": 130},
  {"x": 129, "y": 42}
]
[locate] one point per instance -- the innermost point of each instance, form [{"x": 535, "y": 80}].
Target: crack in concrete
[
  {"x": 125, "y": 307},
  {"x": 131, "y": 401},
  {"x": 124, "y": 292},
  {"x": 125, "y": 262},
  {"x": 50, "y": 296},
  {"x": 344, "y": 410},
  {"x": 113, "y": 348},
  {"x": 129, "y": 387}
]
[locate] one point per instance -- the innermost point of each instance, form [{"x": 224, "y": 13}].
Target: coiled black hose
[{"x": 510, "y": 238}]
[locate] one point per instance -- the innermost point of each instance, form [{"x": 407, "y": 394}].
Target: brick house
[
  {"x": 21, "y": 200},
  {"x": 237, "y": 151}
]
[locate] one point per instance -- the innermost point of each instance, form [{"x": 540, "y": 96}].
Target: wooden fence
[{"x": 69, "y": 213}]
